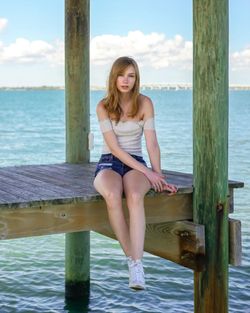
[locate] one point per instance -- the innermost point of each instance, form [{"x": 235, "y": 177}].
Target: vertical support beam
[
  {"x": 77, "y": 15},
  {"x": 210, "y": 149},
  {"x": 77, "y": 278},
  {"x": 77, "y": 80}
]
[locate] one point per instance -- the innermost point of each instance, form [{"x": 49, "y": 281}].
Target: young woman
[{"x": 124, "y": 115}]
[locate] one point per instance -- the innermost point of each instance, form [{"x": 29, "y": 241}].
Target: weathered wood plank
[
  {"x": 235, "y": 245},
  {"x": 65, "y": 183},
  {"x": 189, "y": 251},
  {"x": 48, "y": 175},
  {"x": 51, "y": 219},
  {"x": 80, "y": 171},
  {"x": 32, "y": 188},
  {"x": 181, "y": 242},
  {"x": 5, "y": 197},
  {"x": 32, "y": 174},
  {"x": 22, "y": 192},
  {"x": 188, "y": 178},
  {"x": 47, "y": 180}
]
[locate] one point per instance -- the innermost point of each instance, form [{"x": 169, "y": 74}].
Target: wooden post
[
  {"x": 210, "y": 146},
  {"x": 77, "y": 128}
]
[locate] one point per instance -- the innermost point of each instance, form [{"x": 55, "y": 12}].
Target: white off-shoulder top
[{"x": 128, "y": 133}]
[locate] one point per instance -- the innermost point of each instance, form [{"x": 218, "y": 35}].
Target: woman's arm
[
  {"x": 153, "y": 150},
  {"x": 151, "y": 137},
  {"x": 152, "y": 145}
]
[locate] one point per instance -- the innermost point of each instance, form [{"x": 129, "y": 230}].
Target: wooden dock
[{"x": 60, "y": 198}]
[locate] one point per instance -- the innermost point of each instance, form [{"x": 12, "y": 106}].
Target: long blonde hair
[{"x": 112, "y": 100}]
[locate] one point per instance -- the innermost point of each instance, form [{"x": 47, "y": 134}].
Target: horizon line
[{"x": 143, "y": 86}]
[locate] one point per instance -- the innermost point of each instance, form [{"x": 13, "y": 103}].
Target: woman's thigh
[
  {"x": 108, "y": 182},
  {"x": 135, "y": 184}
]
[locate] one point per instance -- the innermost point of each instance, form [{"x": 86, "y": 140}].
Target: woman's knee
[
  {"x": 134, "y": 197},
  {"x": 113, "y": 197}
]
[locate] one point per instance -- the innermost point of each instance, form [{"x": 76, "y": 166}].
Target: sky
[{"x": 158, "y": 34}]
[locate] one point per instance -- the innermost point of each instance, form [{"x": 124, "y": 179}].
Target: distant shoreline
[{"x": 143, "y": 87}]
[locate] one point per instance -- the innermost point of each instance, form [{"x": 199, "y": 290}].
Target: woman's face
[{"x": 126, "y": 81}]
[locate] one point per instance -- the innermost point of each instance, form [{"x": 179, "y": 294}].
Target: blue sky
[{"x": 158, "y": 34}]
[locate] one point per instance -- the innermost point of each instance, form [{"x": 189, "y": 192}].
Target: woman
[{"x": 123, "y": 116}]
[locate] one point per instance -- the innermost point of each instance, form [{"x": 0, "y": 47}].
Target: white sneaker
[
  {"x": 129, "y": 261},
  {"x": 136, "y": 275}
]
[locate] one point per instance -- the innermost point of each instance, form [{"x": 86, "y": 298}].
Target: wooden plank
[
  {"x": 188, "y": 178},
  {"x": 8, "y": 186},
  {"x": 64, "y": 183},
  {"x": 21, "y": 178},
  {"x": 87, "y": 215},
  {"x": 44, "y": 172},
  {"x": 41, "y": 177},
  {"x": 32, "y": 188},
  {"x": 163, "y": 208},
  {"x": 235, "y": 245},
  {"x": 79, "y": 173},
  {"x": 5, "y": 197},
  {"x": 182, "y": 242}
]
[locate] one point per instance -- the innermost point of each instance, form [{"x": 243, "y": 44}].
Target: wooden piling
[
  {"x": 210, "y": 146},
  {"x": 77, "y": 129}
]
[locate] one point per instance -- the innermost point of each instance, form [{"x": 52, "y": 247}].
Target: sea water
[{"x": 32, "y": 131}]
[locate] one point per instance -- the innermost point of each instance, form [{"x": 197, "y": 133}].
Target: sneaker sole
[{"x": 137, "y": 287}]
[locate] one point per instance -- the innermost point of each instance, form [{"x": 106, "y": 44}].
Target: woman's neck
[
  {"x": 125, "y": 98},
  {"x": 125, "y": 103}
]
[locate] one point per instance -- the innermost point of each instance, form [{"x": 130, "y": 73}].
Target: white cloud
[
  {"x": 240, "y": 60},
  {"x": 56, "y": 56},
  {"x": 3, "y": 23},
  {"x": 152, "y": 49},
  {"x": 25, "y": 51}
]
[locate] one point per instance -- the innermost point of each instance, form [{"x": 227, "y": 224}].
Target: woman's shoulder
[
  {"x": 101, "y": 110},
  {"x": 101, "y": 104},
  {"x": 144, "y": 98},
  {"x": 146, "y": 103}
]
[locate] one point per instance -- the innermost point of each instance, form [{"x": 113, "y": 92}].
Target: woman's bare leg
[
  {"x": 109, "y": 184},
  {"x": 136, "y": 185}
]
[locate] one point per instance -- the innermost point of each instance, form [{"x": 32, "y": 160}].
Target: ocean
[{"x": 32, "y": 131}]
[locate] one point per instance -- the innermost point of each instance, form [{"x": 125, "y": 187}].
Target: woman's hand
[
  {"x": 172, "y": 189},
  {"x": 157, "y": 180}
]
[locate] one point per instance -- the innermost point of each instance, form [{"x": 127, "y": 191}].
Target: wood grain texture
[
  {"x": 47, "y": 199},
  {"x": 83, "y": 216},
  {"x": 77, "y": 41},
  {"x": 210, "y": 149},
  {"x": 182, "y": 242},
  {"x": 40, "y": 185},
  {"x": 235, "y": 244}
]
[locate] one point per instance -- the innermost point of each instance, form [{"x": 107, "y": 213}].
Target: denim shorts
[{"x": 109, "y": 161}]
